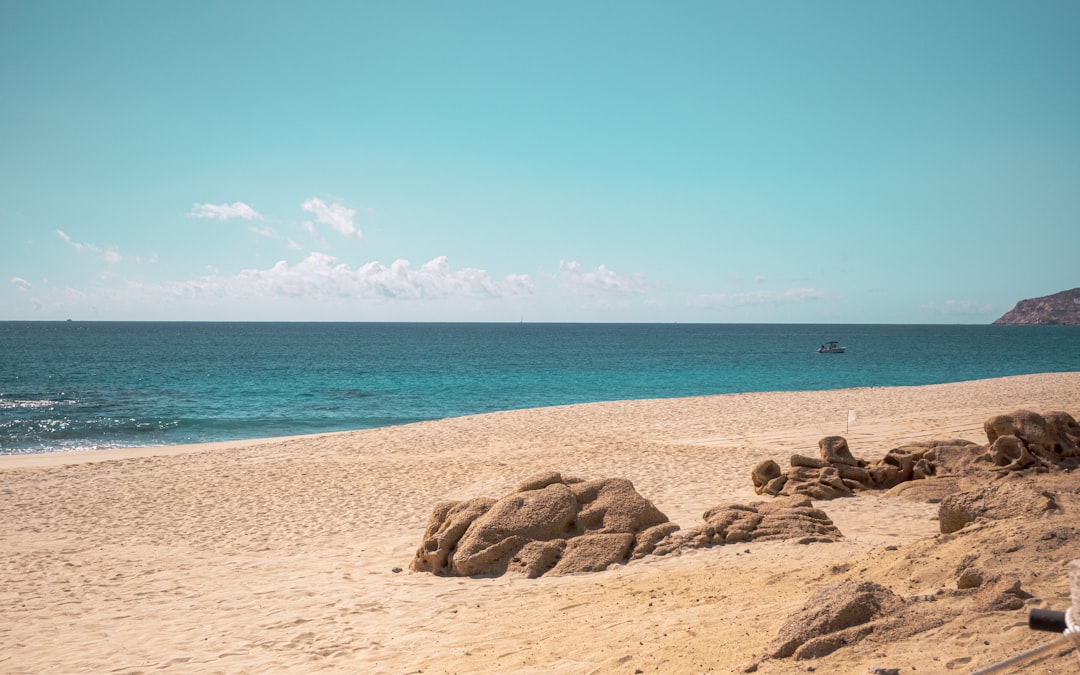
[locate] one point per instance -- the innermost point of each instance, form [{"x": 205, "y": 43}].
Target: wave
[{"x": 29, "y": 404}]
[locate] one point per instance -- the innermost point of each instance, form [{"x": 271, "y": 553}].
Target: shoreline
[
  {"x": 292, "y": 554},
  {"x": 62, "y": 458}
]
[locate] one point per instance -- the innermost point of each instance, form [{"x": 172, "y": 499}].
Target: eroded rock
[
  {"x": 836, "y": 615},
  {"x": 1022, "y": 441},
  {"x": 997, "y": 501},
  {"x": 791, "y": 518},
  {"x": 548, "y": 525}
]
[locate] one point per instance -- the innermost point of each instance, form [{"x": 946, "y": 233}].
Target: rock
[
  {"x": 1058, "y": 309},
  {"x": 1003, "y": 595},
  {"x": 787, "y": 518},
  {"x": 970, "y": 578},
  {"x": 1067, "y": 432},
  {"x": 1011, "y": 453},
  {"x": 446, "y": 526},
  {"x": 834, "y": 450},
  {"x": 548, "y": 524},
  {"x": 810, "y": 462},
  {"x": 1053, "y": 438},
  {"x": 542, "y": 480},
  {"x": 775, "y": 486},
  {"x": 836, "y": 615},
  {"x": 763, "y": 475},
  {"x": 996, "y": 501},
  {"x": 1022, "y": 441},
  {"x": 1029, "y": 426},
  {"x": 594, "y": 553}
]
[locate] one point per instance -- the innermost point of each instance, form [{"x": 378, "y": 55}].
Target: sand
[{"x": 292, "y": 555}]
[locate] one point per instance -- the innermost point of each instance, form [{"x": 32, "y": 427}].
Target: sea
[{"x": 73, "y": 386}]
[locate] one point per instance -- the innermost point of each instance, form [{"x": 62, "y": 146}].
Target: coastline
[
  {"x": 61, "y": 458},
  {"x": 279, "y": 554}
]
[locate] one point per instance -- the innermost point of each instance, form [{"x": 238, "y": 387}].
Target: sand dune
[{"x": 280, "y": 555}]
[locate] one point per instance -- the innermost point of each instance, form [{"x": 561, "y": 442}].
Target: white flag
[{"x": 851, "y": 416}]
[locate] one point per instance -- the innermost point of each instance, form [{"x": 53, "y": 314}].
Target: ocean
[{"x": 69, "y": 386}]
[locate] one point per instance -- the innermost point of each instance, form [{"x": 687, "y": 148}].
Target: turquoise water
[{"x": 76, "y": 385}]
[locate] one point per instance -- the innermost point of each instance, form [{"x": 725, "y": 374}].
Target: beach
[{"x": 292, "y": 554}]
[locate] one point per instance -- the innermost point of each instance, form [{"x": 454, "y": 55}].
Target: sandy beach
[{"x": 292, "y": 555}]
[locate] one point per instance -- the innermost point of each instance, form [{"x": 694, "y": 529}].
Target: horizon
[
  {"x": 692, "y": 163},
  {"x": 534, "y": 323}
]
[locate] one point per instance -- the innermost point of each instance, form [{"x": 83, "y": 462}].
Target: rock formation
[
  {"x": 996, "y": 501},
  {"x": 557, "y": 525},
  {"x": 1023, "y": 439},
  {"x": 1058, "y": 309},
  {"x": 1019, "y": 441},
  {"x": 836, "y": 615},
  {"x": 548, "y": 524},
  {"x": 837, "y": 473},
  {"x": 793, "y": 518}
]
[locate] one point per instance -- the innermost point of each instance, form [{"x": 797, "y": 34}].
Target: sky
[{"x": 712, "y": 162}]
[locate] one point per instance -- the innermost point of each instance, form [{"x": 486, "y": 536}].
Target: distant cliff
[{"x": 1058, "y": 309}]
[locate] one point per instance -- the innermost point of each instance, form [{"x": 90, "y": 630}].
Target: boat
[{"x": 831, "y": 347}]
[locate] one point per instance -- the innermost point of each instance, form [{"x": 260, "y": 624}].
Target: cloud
[
  {"x": 601, "y": 281},
  {"x": 336, "y": 216},
  {"x": 267, "y": 232},
  {"x": 21, "y": 284},
  {"x": 320, "y": 278},
  {"x": 225, "y": 211},
  {"x": 109, "y": 255},
  {"x": 960, "y": 308},
  {"x": 787, "y": 297}
]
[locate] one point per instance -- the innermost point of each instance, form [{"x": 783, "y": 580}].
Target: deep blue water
[{"x": 77, "y": 385}]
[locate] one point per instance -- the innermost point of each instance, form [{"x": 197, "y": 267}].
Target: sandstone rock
[
  {"x": 1025, "y": 424},
  {"x": 970, "y": 578},
  {"x": 1011, "y": 453},
  {"x": 787, "y": 518},
  {"x": 763, "y": 474},
  {"x": 1054, "y": 437},
  {"x": 1002, "y": 595},
  {"x": 548, "y": 524},
  {"x": 1067, "y": 432},
  {"x": 447, "y": 524},
  {"x": 994, "y": 502},
  {"x": 1021, "y": 441},
  {"x": 836, "y": 615},
  {"x": 775, "y": 486},
  {"x": 834, "y": 450},
  {"x": 810, "y": 462}
]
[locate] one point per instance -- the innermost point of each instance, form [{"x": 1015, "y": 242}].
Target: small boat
[{"x": 831, "y": 347}]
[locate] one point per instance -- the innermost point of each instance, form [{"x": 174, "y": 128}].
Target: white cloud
[
  {"x": 109, "y": 255},
  {"x": 960, "y": 308},
  {"x": 225, "y": 211},
  {"x": 21, "y": 284},
  {"x": 336, "y": 216},
  {"x": 267, "y": 232},
  {"x": 787, "y": 297},
  {"x": 601, "y": 281},
  {"x": 319, "y": 278}
]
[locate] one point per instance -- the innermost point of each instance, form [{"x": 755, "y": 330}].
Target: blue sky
[{"x": 863, "y": 162}]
